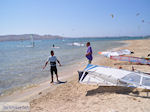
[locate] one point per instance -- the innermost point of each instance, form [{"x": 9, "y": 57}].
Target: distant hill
[
  {"x": 27, "y": 37},
  {"x": 39, "y": 37}
]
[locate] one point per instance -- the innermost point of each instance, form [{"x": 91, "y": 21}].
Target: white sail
[
  {"x": 101, "y": 75},
  {"x": 116, "y": 53},
  {"x": 32, "y": 41}
]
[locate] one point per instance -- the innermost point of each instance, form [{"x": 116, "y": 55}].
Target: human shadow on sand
[
  {"x": 60, "y": 82},
  {"x": 116, "y": 89}
]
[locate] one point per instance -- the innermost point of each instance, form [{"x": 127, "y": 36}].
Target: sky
[{"x": 75, "y": 18}]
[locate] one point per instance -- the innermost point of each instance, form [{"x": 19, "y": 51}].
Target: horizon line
[{"x": 75, "y": 36}]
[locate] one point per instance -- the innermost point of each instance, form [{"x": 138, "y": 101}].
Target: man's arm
[
  {"x": 89, "y": 53},
  {"x": 59, "y": 62},
  {"x": 45, "y": 64}
]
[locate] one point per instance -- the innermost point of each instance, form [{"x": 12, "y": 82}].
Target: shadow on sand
[
  {"x": 60, "y": 82},
  {"x": 118, "y": 90}
]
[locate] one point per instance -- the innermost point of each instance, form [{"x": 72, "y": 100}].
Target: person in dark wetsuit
[{"x": 52, "y": 59}]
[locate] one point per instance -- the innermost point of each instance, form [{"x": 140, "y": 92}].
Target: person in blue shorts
[
  {"x": 52, "y": 59},
  {"x": 89, "y": 53}
]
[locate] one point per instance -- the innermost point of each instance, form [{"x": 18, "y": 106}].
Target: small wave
[
  {"x": 24, "y": 46},
  {"x": 15, "y": 89},
  {"x": 55, "y": 47},
  {"x": 76, "y": 44}
]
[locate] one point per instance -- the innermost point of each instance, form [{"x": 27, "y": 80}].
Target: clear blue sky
[{"x": 75, "y": 18}]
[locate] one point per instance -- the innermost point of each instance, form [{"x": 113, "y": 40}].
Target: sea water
[{"x": 21, "y": 63}]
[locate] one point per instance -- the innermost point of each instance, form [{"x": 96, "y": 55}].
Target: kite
[
  {"x": 112, "y": 15},
  {"x": 137, "y": 14}
]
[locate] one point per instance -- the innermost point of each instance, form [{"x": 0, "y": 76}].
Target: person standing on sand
[
  {"x": 89, "y": 53},
  {"x": 52, "y": 59}
]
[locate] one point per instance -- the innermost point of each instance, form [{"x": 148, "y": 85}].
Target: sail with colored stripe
[{"x": 131, "y": 59}]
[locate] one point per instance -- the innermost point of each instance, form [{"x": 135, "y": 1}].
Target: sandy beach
[
  {"x": 46, "y": 48},
  {"x": 75, "y": 97}
]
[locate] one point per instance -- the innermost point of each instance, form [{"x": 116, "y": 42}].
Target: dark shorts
[
  {"x": 53, "y": 69},
  {"x": 90, "y": 61}
]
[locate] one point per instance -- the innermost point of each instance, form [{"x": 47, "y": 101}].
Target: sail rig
[
  {"x": 116, "y": 53},
  {"x": 32, "y": 41},
  {"x": 131, "y": 59},
  {"x": 101, "y": 75}
]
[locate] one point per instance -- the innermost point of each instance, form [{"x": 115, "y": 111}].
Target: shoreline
[
  {"x": 79, "y": 97},
  {"x": 37, "y": 95},
  {"x": 43, "y": 85}
]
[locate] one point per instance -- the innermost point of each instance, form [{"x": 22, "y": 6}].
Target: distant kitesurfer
[
  {"x": 53, "y": 45},
  {"x": 52, "y": 59},
  {"x": 89, "y": 53}
]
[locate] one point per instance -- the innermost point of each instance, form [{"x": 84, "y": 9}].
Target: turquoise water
[{"x": 21, "y": 64}]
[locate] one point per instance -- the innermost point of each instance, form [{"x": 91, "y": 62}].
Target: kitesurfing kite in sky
[
  {"x": 143, "y": 21},
  {"x": 112, "y": 15},
  {"x": 137, "y": 14}
]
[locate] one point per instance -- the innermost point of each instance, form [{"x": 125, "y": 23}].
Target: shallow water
[{"x": 21, "y": 64}]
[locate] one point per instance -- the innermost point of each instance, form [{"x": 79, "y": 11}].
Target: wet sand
[{"x": 75, "y": 97}]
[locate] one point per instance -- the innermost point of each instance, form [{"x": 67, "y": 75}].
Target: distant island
[
  {"x": 40, "y": 37},
  {"x": 27, "y": 37}
]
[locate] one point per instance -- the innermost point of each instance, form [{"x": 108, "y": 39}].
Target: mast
[{"x": 32, "y": 41}]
